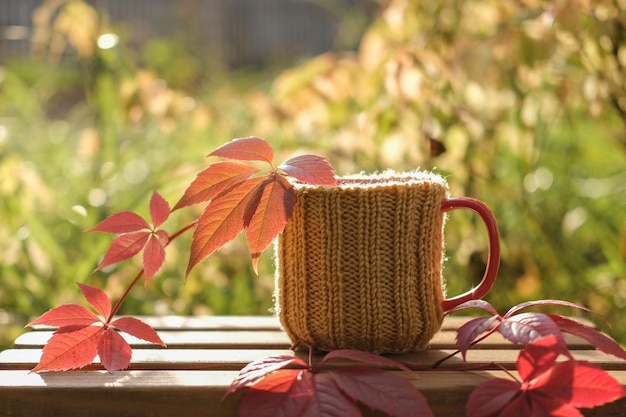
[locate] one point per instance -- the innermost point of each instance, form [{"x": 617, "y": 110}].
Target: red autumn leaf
[
  {"x": 536, "y": 303},
  {"x": 481, "y": 304},
  {"x": 124, "y": 247},
  {"x": 525, "y": 328},
  {"x": 70, "y": 348},
  {"x": 154, "y": 253},
  {"x": 259, "y": 369},
  {"x": 599, "y": 340},
  {"x": 270, "y": 216},
  {"x": 66, "y": 315},
  {"x": 218, "y": 178},
  {"x": 221, "y": 221},
  {"x": 138, "y": 329},
  {"x": 468, "y": 332},
  {"x": 114, "y": 351},
  {"x": 328, "y": 401},
  {"x": 97, "y": 299},
  {"x": 491, "y": 396},
  {"x": 363, "y": 357},
  {"x": 280, "y": 394},
  {"x": 159, "y": 210},
  {"x": 246, "y": 149},
  {"x": 310, "y": 169},
  {"x": 122, "y": 222},
  {"x": 327, "y": 390},
  {"x": 548, "y": 387},
  {"x": 381, "y": 390}
]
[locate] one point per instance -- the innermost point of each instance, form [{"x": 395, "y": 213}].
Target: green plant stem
[{"x": 121, "y": 300}]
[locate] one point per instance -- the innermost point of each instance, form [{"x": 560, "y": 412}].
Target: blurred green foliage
[{"x": 528, "y": 98}]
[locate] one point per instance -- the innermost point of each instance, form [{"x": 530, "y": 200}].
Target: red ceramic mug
[{"x": 359, "y": 265}]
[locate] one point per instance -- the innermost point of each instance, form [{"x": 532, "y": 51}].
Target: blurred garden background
[{"x": 521, "y": 104}]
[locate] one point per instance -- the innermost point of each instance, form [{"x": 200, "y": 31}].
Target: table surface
[{"x": 204, "y": 355}]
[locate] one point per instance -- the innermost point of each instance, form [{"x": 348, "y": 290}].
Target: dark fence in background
[{"x": 233, "y": 33}]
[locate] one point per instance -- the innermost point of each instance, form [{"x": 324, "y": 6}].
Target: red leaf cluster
[
  {"x": 525, "y": 328},
  {"x": 547, "y": 387},
  {"x": 324, "y": 390},
  {"x": 135, "y": 234},
  {"x": 242, "y": 197},
  {"x": 82, "y": 335}
]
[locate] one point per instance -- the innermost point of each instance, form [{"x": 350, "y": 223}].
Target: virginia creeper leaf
[
  {"x": 482, "y": 304},
  {"x": 310, "y": 169},
  {"x": 363, "y": 357},
  {"x": 270, "y": 216},
  {"x": 218, "y": 178},
  {"x": 114, "y": 351},
  {"x": 538, "y": 357},
  {"x": 159, "y": 210},
  {"x": 221, "y": 221},
  {"x": 259, "y": 369},
  {"x": 327, "y": 400},
  {"x": 525, "y": 328},
  {"x": 122, "y": 222},
  {"x": 246, "y": 149},
  {"x": 381, "y": 390},
  {"x": 138, "y": 329},
  {"x": 124, "y": 247},
  {"x": 599, "y": 340},
  {"x": 491, "y": 396},
  {"x": 469, "y": 331},
  {"x": 548, "y": 388},
  {"x": 154, "y": 254},
  {"x": 66, "y": 315},
  {"x": 515, "y": 309},
  {"x": 97, "y": 299},
  {"x": 285, "y": 393},
  {"x": 69, "y": 348}
]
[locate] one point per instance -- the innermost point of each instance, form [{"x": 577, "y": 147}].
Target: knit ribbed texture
[{"x": 359, "y": 264}]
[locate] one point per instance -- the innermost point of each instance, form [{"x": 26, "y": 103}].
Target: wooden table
[{"x": 204, "y": 356}]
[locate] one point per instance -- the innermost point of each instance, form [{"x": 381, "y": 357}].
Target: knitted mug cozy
[{"x": 359, "y": 264}]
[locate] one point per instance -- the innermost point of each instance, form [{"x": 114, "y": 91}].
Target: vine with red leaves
[{"x": 241, "y": 197}]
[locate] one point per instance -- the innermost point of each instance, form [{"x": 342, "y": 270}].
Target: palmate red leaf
[
  {"x": 154, "y": 254},
  {"x": 599, "y": 340},
  {"x": 539, "y": 356},
  {"x": 468, "y": 332},
  {"x": 70, "y": 348},
  {"x": 122, "y": 222},
  {"x": 159, "y": 210},
  {"x": 124, "y": 247},
  {"x": 246, "y": 149},
  {"x": 525, "y": 328},
  {"x": 491, "y": 396},
  {"x": 97, "y": 299},
  {"x": 310, "y": 169},
  {"x": 270, "y": 215},
  {"x": 328, "y": 401},
  {"x": 114, "y": 351},
  {"x": 66, "y": 315},
  {"x": 481, "y": 304},
  {"x": 221, "y": 221},
  {"x": 285, "y": 393},
  {"x": 579, "y": 384},
  {"x": 218, "y": 178},
  {"x": 259, "y": 369},
  {"x": 138, "y": 329},
  {"x": 363, "y": 357},
  {"x": 381, "y": 390}
]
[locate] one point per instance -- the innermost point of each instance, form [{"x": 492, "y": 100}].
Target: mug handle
[{"x": 493, "y": 259}]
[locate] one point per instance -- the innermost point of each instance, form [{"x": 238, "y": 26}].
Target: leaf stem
[{"x": 121, "y": 300}]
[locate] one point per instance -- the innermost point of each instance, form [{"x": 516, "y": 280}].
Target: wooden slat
[
  {"x": 235, "y": 359},
  {"x": 199, "y": 393},
  {"x": 269, "y": 339}
]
